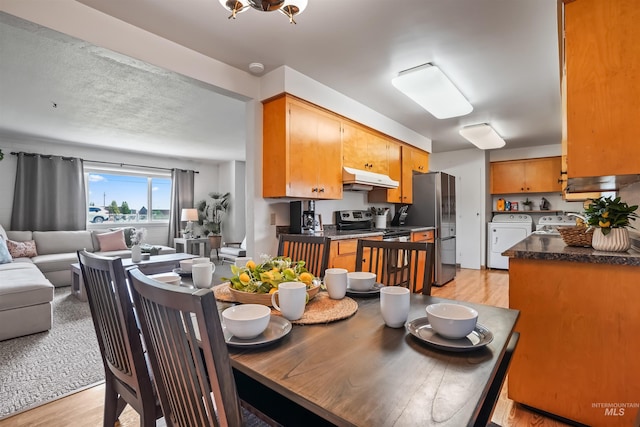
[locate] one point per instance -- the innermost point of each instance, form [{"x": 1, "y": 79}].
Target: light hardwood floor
[{"x": 480, "y": 286}]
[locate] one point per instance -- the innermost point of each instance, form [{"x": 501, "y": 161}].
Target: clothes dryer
[{"x": 504, "y": 231}]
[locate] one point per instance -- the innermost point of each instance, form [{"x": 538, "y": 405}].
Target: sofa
[{"x": 27, "y": 282}]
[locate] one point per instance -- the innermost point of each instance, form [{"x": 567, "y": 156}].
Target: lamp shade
[
  {"x": 189, "y": 215},
  {"x": 432, "y": 90},
  {"x": 482, "y": 136}
]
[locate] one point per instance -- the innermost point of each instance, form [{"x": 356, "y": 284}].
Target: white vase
[
  {"x": 136, "y": 253},
  {"x": 616, "y": 241},
  {"x": 381, "y": 221}
]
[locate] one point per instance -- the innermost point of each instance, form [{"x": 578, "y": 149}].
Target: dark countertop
[
  {"x": 553, "y": 248},
  {"x": 342, "y": 235}
]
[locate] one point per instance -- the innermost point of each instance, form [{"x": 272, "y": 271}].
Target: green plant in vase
[{"x": 610, "y": 218}]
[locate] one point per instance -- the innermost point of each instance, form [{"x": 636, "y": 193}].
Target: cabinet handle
[
  {"x": 560, "y": 180},
  {"x": 521, "y": 188},
  {"x": 314, "y": 190},
  {"x": 322, "y": 190},
  {"x": 366, "y": 165}
]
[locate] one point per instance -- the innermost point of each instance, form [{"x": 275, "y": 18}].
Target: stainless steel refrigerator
[{"x": 434, "y": 205}]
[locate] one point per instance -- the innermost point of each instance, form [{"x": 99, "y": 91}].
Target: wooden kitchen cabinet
[
  {"x": 602, "y": 60},
  {"x": 342, "y": 253},
  {"x": 302, "y": 151},
  {"x": 364, "y": 149},
  {"x": 419, "y": 160},
  {"x": 426, "y": 236},
  {"x": 526, "y": 176}
]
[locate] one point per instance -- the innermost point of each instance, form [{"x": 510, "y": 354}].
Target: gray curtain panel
[
  {"x": 49, "y": 194},
  {"x": 181, "y": 197}
]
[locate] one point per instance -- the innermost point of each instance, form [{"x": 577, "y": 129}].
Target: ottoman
[{"x": 25, "y": 300}]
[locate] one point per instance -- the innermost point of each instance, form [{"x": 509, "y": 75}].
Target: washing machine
[{"x": 505, "y": 230}]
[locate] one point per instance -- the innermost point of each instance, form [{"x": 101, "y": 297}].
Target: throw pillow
[
  {"x": 128, "y": 233},
  {"x": 5, "y": 256},
  {"x": 112, "y": 241},
  {"x": 26, "y": 249}
]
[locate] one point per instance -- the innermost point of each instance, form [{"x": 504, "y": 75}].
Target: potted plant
[
  {"x": 610, "y": 218},
  {"x": 211, "y": 212},
  {"x": 527, "y": 204}
]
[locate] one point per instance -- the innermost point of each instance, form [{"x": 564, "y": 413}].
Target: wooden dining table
[{"x": 359, "y": 372}]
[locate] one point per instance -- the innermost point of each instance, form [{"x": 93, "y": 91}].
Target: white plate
[
  {"x": 277, "y": 329},
  {"x": 371, "y": 292},
  {"x": 421, "y": 329}
]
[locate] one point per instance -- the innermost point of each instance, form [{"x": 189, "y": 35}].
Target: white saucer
[
  {"x": 421, "y": 329},
  {"x": 371, "y": 292},
  {"x": 277, "y": 329}
]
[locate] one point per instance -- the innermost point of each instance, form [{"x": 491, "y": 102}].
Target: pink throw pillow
[
  {"x": 25, "y": 249},
  {"x": 112, "y": 241}
]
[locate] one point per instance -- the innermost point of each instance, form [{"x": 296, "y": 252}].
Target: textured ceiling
[{"x": 502, "y": 54}]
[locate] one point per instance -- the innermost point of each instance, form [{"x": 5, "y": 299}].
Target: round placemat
[
  {"x": 320, "y": 309},
  {"x": 323, "y": 309}
]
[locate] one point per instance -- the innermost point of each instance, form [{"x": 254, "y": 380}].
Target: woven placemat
[
  {"x": 320, "y": 309},
  {"x": 323, "y": 309}
]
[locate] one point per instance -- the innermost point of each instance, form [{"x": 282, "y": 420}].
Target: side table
[{"x": 187, "y": 245}]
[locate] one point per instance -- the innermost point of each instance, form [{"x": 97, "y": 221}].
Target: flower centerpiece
[
  {"x": 610, "y": 218},
  {"x": 255, "y": 282}
]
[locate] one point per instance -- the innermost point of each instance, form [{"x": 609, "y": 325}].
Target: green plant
[
  {"x": 211, "y": 212},
  {"x": 607, "y": 213}
]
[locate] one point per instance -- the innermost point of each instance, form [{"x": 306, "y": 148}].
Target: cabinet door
[
  {"x": 543, "y": 175},
  {"x": 378, "y": 153},
  {"x": 507, "y": 177},
  {"x": 602, "y": 41},
  {"x": 420, "y": 160},
  {"x": 303, "y": 162},
  {"x": 327, "y": 158},
  {"x": 391, "y": 195},
  {"x": 407, "y": 174},
  {"x": 354, "y": 146}
]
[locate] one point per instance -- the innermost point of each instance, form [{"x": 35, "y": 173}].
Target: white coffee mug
[
  {"x": 394, "y": 305},
  {"x": 202, "y": 274},
  {"x": 292, "y": 298},
  {"x": 335, "y": 279},
  {"x": 202, "y": 260}
]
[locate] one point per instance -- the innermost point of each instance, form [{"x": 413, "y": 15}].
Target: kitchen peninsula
[{"x": 579, "y": 320}]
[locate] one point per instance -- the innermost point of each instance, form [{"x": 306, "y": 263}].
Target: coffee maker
[{"x": 302, "y": 221}]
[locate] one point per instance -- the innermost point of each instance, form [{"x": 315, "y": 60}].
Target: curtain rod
[{"x": 105, "y": 163}]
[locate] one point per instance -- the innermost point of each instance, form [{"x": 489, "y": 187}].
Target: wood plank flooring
[{"x": 480, "y": 286}]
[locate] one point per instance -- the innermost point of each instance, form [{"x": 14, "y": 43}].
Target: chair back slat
[
  {"x": 408, "y": 264},
  {"x": 313, "y": 250},
  {"x": 121, "y": 346},
  {"x": 188, "y": 353}
]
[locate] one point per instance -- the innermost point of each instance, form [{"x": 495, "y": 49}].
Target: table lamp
[{"x": 189, "y": 215}]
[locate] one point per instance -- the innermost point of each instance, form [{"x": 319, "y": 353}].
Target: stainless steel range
[{"x": 359, "y": 220}]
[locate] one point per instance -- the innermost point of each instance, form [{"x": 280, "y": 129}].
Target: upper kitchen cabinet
[
  {"x": 364, "y": 149},
  {"x": 526, "y": 176},
  {"x": 395, "y": 172},
  {"x": 419, "y": 160},
  {"x": 302, "y": 151},
  {"x": 602, "y": 60}
]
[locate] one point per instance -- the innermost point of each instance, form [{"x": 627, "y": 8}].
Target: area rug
[{"x": 42, "y": 367}]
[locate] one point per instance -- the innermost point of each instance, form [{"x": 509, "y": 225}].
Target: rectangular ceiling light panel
[
  {"x": 432, "y": 90},
  {"x": 482, "y": 136}
]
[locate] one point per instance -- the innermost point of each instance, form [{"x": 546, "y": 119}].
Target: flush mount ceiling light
[
  {"x": 290, "y": 8},
  {"x": 482, "y": 136},
  {"x": 432, "y": 90}
]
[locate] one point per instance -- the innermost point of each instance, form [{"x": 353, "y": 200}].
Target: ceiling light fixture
[
  {"x": 290, "y": 8},
  {"x": 428, "y": 86},
  {"x": 482, "y": 136}
]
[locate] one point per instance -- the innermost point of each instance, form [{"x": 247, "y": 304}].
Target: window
[{"x": 127, "y": 197}]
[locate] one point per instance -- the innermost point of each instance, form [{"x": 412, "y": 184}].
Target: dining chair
[
  {"x": 408, "y": 264},
  {"x": 127, "y": 376},
  {"x": 314, "y": 250},
  {"x": 189, "y": 356}
]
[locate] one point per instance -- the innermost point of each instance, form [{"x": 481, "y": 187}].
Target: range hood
[{"x": 360, "y": 180}]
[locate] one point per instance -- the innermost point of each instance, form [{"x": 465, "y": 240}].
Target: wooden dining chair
[
  {"x": 127, "y": 376},
  {"x": 408, "y": 264},
  {"x": 189, "y": 356},
  {"x": 314, "y": 250}
]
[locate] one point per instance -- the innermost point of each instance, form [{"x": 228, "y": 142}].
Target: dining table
[{"x": 359, "y": 372}]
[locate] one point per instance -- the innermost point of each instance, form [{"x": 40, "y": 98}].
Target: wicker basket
[
  {"x": 264, "y": 299},
  {"x": 576, "y": 235}
]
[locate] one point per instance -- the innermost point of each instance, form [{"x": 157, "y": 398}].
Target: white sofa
[{"x": 27, "y": 284}]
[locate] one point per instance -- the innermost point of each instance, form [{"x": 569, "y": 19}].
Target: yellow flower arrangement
[{"x": 265, "y": 277}]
